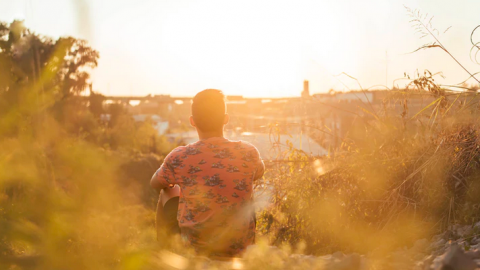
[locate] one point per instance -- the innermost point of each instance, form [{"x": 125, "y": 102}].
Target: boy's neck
[{"x": 206, "y": 135}]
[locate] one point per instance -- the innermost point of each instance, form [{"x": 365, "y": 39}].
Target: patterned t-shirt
[{"x": 216, "y": 175}]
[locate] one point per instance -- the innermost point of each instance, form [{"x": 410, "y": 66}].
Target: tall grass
[
  {"x": 388, "y": 185},
  {"x": 68, "y": 198},
  {"x": 400, "y": 174}
]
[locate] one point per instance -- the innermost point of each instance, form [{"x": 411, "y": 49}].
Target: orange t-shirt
[{"x": 216, "y": 175}]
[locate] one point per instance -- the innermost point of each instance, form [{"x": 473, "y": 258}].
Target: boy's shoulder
[
  {"x": 246, "y": 144},
  {"x": 179, "y": 149}
]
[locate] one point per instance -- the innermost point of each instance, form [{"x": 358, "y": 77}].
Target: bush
[{"x": 385, "y": 187}]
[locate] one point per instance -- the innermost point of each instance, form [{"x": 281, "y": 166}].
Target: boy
[{"x": 214, "y": 180}]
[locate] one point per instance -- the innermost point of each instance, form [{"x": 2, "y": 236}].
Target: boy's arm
[
  {"x": 165, "y": 176},
  {"x": 259, "y": 166}
]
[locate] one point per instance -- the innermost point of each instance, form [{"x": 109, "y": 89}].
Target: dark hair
[{"x": 208, "y": 110}]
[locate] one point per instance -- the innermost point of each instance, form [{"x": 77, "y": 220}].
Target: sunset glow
[
  {"x": 251, "y": 48},
  {"x": 254, "y": 134},
  {"x": 261, "y": 52}
]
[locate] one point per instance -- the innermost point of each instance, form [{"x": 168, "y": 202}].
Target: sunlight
[
  {"x": 19, "y": 16},
  {"x": 253, "y": 51}
]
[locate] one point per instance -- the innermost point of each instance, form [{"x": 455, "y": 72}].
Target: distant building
[
  {"x": 360, "y": 96},
  {"x": 306, "y": 90}
]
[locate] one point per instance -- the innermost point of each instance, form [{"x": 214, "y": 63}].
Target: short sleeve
[{"x": 165, "y": 175}]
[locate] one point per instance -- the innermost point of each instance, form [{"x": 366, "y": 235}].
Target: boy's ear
[
  {"x": 192, "y": 123},
  {"x": 226, "y": 119}
]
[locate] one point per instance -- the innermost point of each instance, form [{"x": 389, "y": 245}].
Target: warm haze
[
  {"x": 252, "y": 48},
  {"x": 113, "y": 156}
]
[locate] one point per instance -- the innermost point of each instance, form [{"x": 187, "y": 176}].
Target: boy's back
[{"x": 215, "y": 212}]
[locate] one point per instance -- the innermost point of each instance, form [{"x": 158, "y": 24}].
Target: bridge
[{"x": 157, "y": 98}]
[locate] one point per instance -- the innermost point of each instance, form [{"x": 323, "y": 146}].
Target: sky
[{"x": 254, "y": 48}]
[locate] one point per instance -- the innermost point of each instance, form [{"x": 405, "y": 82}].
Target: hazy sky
[{"x": 253, "y": 47}]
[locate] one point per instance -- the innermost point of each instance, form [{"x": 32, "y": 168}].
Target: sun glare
[{"x": 253, "y": 50}]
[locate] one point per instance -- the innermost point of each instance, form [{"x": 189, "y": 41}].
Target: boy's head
[{"x": 209, "y": 111}]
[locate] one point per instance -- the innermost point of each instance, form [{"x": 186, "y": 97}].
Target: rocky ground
[{"x": 456, "y": 249}]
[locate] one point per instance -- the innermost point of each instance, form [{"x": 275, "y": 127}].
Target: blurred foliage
[
  {"x": 41, "y": 76},
  {"x": 62, "y": 207},
  {"x": 396, "y": 178},
  {"x": 73, "y": 192}
]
